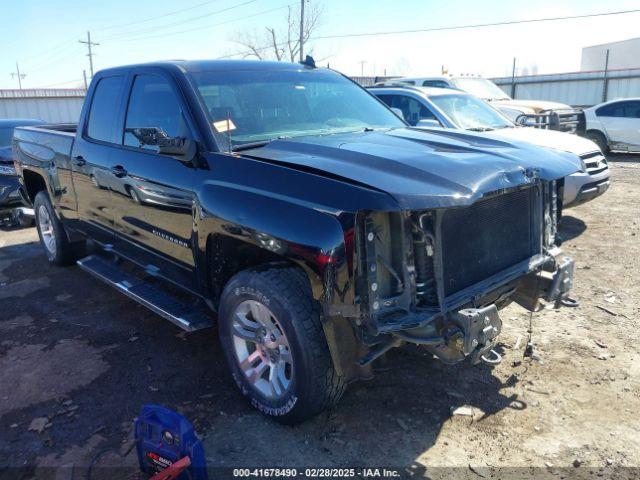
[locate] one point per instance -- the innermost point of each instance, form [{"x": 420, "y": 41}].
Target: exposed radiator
[{"x": 489, "y": 236}]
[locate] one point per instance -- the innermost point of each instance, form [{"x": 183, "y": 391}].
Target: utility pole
[
  {"x": 605, "y": 84},
  {"x": 19, "y": 75},
  {"x": 89, "y": 44},
  {"x": 84, "y": 76},
  {"x": 302, "y": 29},
  {"x": 362, "y": 62},
  {"x": 513, "y": 79}
]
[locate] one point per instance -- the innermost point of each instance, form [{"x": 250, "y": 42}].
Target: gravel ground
[{"x": 77, "y": 360}]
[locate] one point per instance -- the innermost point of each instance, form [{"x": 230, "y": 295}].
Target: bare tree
[{"x": 282, "y": 43}]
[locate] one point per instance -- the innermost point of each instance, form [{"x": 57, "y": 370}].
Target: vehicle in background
[
  {"x": 13, "y": 208},
  {"x": 321, "y": 229},
  {"x": 443, "y": 107},
  {"x": 615, "y": 125},
  {"x": 529, "y": 113}
]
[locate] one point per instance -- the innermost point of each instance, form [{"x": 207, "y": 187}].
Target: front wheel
[
  {"x": 599, "y": 139},
  {"x": 53, "y": 238},
  {"x": 271, "y": 332}
]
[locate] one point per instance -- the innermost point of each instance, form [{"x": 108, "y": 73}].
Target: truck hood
[
  {"x": 566, "y": 142},
  {"x": 421, "y": 169},
  {"x": 531, "y": 106}
]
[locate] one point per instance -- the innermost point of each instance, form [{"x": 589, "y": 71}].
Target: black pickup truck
[{"x": 317, "y": 225}]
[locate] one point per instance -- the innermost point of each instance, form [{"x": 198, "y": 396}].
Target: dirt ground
[{"x": 77, "y": 361}]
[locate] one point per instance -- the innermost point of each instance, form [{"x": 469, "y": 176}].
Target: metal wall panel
[
  {"x": 52, "y": 110},
  {"x": 579, "y": 89},
  {"x": 577, "y": 93},
  {"x": 623, "y": 88}
]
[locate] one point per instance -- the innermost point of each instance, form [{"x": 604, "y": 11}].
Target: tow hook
[{"x": 495, "y": 360}]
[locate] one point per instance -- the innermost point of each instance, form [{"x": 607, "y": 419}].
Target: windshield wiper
[
  {"x": 480, "y": 129},
  {"x": 250, "y": 145}
]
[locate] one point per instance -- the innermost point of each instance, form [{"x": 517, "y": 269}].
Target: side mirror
[
  {"x": 398, "y": 113},
  {"x": 428, "y": 122},
  {"x": 183, "y": 149}
]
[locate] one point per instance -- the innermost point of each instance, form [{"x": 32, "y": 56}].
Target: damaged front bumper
[{"x": 473, "y": 331}]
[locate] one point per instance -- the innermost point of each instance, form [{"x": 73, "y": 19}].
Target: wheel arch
[{"x": 34, "y": 182}]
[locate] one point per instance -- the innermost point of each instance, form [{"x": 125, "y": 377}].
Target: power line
[
  {"x": 54, "y": 59},
  {"x": 57, "y": 48},
  {"x": 476, "y": 25},
  {"x": 435, "y": 29},
  {"x": 175, "y": 12},
  {"x": 180, "y": 22},
  {"x": 204, "y": 27},
  {"x": 78, "y": 80}
]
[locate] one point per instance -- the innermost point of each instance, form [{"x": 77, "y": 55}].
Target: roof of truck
[{"x": 216, "y": 65}]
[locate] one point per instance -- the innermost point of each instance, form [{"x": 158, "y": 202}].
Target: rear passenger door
[
  {"x": 91, "y": 158},
  {"x": 152, "y": 191}
]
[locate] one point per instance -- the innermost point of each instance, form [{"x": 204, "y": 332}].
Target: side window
[
  {"x": 435, "y": 84},
  {"x": 153, "y": 113},
  {"x": 617, "y": 110},
  {"x": 412, "y": 109},
  {"x": 632, "y": 109},
  {"x": 104, "y": 109}
]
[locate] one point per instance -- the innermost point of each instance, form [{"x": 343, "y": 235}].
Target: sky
[{"x": 42, "y": 35}]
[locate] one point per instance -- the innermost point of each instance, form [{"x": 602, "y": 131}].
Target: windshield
[
  {"x": 481, "y": 88},
  {"x": 469, "y": 112},
  {"x": 255, "y": 106}
]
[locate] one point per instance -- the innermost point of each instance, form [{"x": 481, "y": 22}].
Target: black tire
[
  {"x": 315, "y": 384},
  {"x": 64, "y": 252},
  {"x": 600, "y": 140}
]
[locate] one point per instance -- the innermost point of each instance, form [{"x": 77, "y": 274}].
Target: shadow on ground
[
  {"x": 571, "y": 227},
  {"x": 85, "y": 359}
]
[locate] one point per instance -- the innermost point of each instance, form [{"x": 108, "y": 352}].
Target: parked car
[
  {"x": 12, "y": 206},
  {"x": 529, "y": 113},
  {"x": 446, "y": 108},
  {"x": 322, "y": 230},
  {"x": 615, "y": 125}
]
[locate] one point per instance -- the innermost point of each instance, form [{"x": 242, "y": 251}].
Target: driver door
[{"x": 152, "y": 191}]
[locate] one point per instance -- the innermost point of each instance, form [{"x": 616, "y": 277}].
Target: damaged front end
[{"x": 438, "y": 277}]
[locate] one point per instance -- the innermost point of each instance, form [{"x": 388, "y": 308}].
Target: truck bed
[
  {"x": 44, "y": 146},
  {"x": 69, "y": 128}
]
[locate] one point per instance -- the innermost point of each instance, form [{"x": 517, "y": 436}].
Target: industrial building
[
  {"x": 61, "y": 105},
  {"x": 622, "y": 55}
]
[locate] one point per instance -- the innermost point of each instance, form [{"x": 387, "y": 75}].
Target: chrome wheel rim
[
  {"x": 46, "y": 229},
  {"x": 262, "y": 349}
]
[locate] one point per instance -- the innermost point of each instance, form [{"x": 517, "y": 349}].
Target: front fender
[{"x": 318, "y": 240}]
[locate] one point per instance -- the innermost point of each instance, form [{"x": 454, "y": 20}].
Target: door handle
[
  {"x": 79, "y": 161},
  {"x": 119, "y": 171}
]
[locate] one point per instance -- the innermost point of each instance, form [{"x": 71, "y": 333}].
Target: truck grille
[
  {"x": 595, "y": 162},
  {"x": 489, "y": 236}
]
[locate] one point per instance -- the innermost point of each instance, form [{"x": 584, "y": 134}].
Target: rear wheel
[
  {"x": 53, "y": 238},
  {"x": 134, "y": 195},
  {"x": 599, "y": 139},
  {"x": 271, "y": 332}
]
